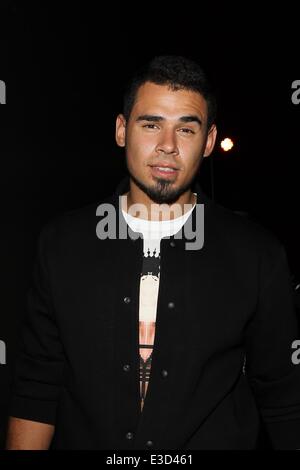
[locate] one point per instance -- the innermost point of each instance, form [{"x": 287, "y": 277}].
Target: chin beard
[{"x": 162, "y": 192}]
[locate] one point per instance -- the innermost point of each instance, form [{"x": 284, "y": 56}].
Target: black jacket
[{"x": 224, "y": 333}]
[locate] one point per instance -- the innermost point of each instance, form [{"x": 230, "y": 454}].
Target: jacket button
[
  {"x": 126, "y": 300},
  {"x": 164, "y": 373},
  {"x": 172, "y": 244},
  {"x": 126, "y": 367},
  {"x": 149, "y": 443},
  {"x": 129, "y": 435},
  {"x": 171, "y": 305}
]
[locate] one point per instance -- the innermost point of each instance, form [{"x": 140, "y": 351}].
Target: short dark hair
[{"x": 178, "y": 73}]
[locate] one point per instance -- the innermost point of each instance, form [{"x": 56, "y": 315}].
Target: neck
[{"x": 138, "y": 204}]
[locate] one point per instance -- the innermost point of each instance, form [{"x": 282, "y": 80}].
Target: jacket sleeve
[
  {"x": 39, "y": 365},
  {"x": 273, "y": 374}
]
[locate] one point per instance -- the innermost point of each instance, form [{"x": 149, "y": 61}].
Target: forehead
[{"x": 162, "y": 100}]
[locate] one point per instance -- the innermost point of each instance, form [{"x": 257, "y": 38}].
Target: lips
[
  {"x": 165, "y": 166},
  {"x": 164, "y": 170}
]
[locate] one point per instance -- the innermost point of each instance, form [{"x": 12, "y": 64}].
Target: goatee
[{"x": 162, "y": 192}]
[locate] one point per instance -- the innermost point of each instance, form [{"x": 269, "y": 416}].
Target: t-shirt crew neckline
[{"x": 156, "y": 227}]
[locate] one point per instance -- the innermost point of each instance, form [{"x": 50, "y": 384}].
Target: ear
[
  {"x": 210, "y": 141},
  {"x": 120, "y": 130}
]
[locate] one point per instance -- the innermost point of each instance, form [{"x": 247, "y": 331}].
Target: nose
[{"x": 167, "y": 143}]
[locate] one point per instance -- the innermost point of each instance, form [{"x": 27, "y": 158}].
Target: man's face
[{"x": 165, "y": 139}]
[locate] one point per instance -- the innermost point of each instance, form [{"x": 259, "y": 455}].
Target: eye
[
  {"x": 150, "y": 126},
  {"x": 186, "y": 130}
]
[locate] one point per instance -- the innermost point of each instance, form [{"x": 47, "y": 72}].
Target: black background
[{"x": 65, "y": 65}]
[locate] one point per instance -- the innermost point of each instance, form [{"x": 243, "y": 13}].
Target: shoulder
[
  {"x": 242, "y": 236},
  {"x": 73, "y": 227}
]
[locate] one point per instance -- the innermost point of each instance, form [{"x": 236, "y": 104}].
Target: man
[{"x": 175, "y": 333}]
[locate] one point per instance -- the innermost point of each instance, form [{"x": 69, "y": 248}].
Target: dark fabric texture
[{"x": 222, "y": 350}]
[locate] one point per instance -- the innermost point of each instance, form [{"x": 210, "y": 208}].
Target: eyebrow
[{"x": 155, "y": 118}]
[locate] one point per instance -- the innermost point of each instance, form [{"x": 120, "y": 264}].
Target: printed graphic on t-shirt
[{"x": 149, "y": 285}]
